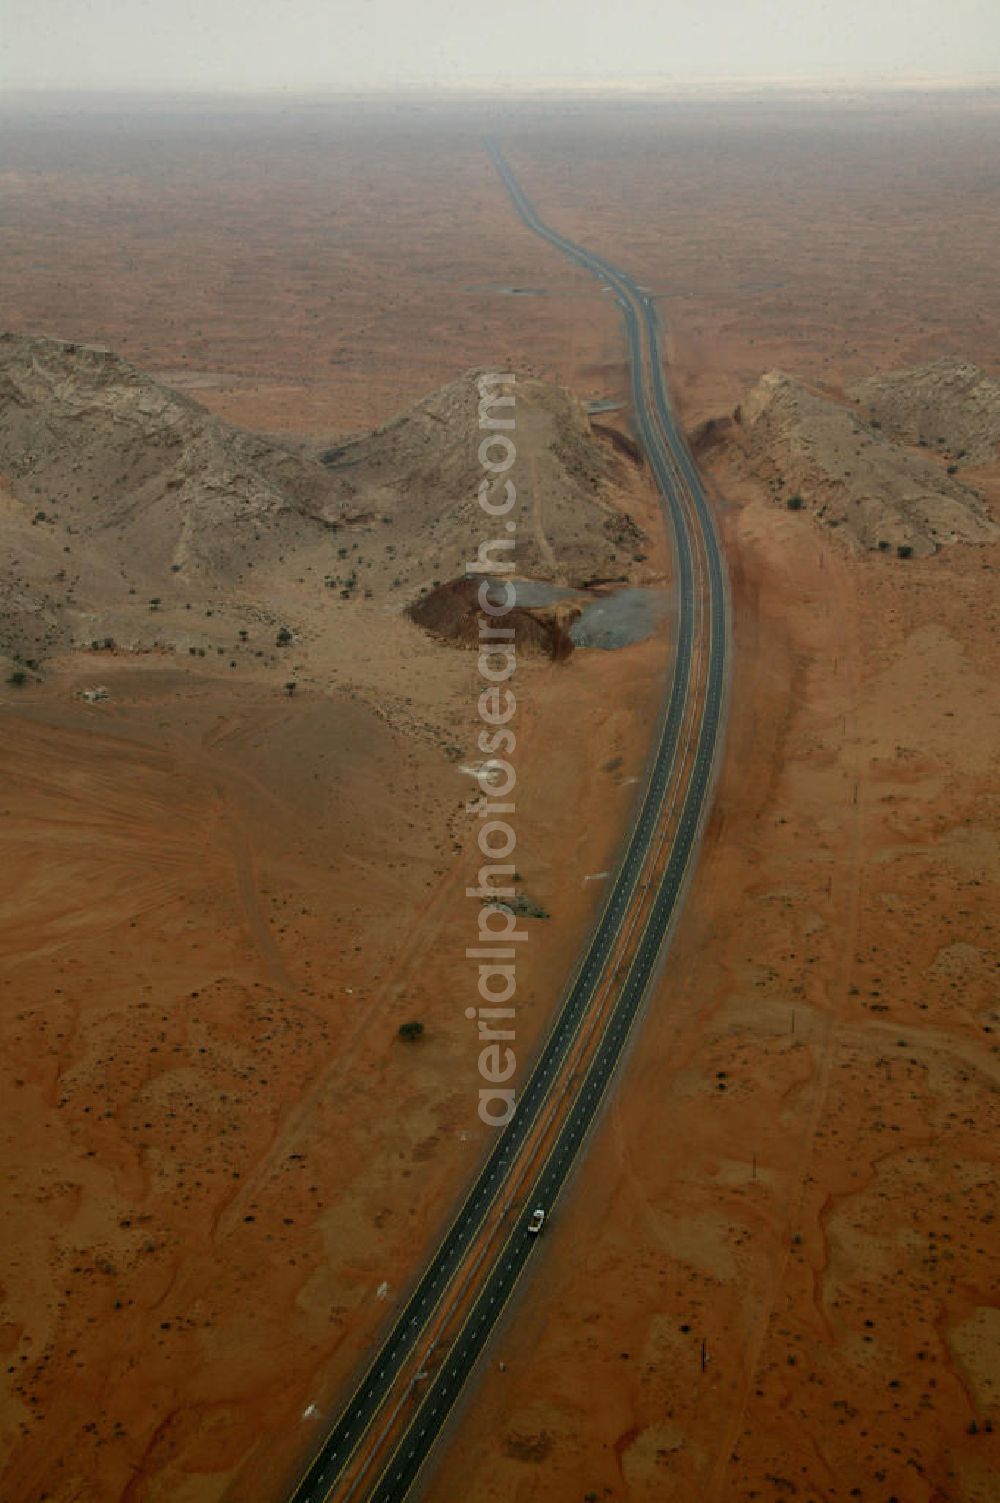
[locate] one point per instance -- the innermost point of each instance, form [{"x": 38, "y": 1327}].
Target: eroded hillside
[
  {"x": 134, "y": 521},
  {"x": 818, "y": 455}
]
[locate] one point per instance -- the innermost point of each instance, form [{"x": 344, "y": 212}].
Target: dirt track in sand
[{"x": 825, "y": 1221}]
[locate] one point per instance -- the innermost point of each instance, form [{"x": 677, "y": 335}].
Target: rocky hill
[
  {"x": 420, "y": 475},
  {"x": 128, "y": 513},
  {"x": 818, "y": 454},
  {"x": 104, "y": 449},
  {"x": 949, "y": 405}
]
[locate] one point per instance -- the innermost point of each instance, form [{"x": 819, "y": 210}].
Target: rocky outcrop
[
  {"x": 129, "y": 512},
  {"x": 821, "y": 456},
  {"x": 421, "y": 474},
  {"x": 949, "y": 405}
]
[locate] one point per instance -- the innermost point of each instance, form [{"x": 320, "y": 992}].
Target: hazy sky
[{"x": 332, "y": 43}]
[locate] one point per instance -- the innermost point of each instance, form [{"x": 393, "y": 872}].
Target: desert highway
[{"x": 382, "y": 1436}]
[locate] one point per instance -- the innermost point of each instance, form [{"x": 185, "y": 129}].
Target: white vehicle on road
[{"x": 537, "y": 1221}]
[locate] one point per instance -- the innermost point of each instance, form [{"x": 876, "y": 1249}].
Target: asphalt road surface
[{"x": 701, "y": 638}]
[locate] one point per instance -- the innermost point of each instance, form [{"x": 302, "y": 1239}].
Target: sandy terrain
[
  {"x": 227, "y": 902},
  {"x": 303, "y": 275},
  {"x": 798, "y": 1167}
]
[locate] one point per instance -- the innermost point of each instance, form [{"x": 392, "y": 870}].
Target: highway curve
[{"x": 679, "y": 783}]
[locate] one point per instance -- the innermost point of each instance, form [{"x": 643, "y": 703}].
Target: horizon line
[{"x": 488, "y": 85}]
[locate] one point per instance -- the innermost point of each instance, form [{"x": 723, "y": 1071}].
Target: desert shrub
[
  {"x": 410, "y": 1031},
  {"x": 794, "y": 503}
]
